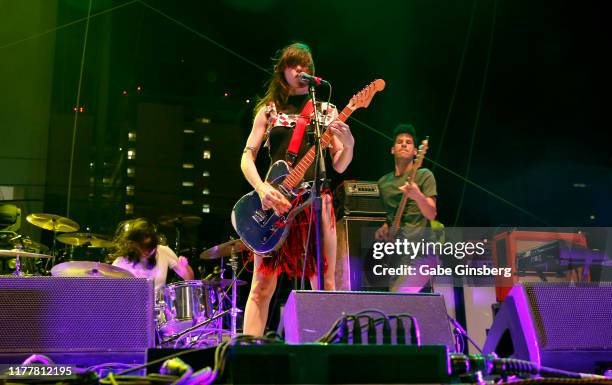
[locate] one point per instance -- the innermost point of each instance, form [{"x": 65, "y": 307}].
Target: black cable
[
  {"x": 463, "y": 332},
  {"x": 415, "y": 333}
]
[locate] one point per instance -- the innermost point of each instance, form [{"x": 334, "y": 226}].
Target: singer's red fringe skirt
[{"x": 289, "y": 258}]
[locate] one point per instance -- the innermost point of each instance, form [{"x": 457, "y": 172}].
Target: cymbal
[
  {"x": 89, "y": 269},
  {"x": 22, "y": 254},
  {"x": 222, "y": 282},
  {"x": 31, "y": 245},
  {"x": 86, "y": 239},
  {"x": 180, "y": 220},
  {"x": 224, "y": 249},
  {"x": 53, "y": 222}
]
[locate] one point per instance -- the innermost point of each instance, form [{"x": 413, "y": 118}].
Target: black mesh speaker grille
[
  {"x": 572, "y": 316},
  {"x": 43, "y": 314}
]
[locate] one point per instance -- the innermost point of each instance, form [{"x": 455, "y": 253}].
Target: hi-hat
[
  {"x": 224, "y": 249},
  {"x": 53, "y": 222},
  {"x": 86, "y": 239},
  {"x": 22, "y": 254},
  {"x": 185, "y": 221},
  {"x": 89, "y": 269},
  {"x": 29, "y": 244}
]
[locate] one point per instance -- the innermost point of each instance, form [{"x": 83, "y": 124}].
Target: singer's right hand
[{"x": 271, "y": 198}]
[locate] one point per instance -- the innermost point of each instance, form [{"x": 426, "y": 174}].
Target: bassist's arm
[{"x": 427, "y": 205}]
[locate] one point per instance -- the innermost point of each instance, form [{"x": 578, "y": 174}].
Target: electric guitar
[
  {"x": 263, "y": 230},
  {"x": 397, "y": 220}
]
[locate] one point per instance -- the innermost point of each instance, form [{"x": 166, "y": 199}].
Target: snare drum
[{"x": 181, "y": 305}]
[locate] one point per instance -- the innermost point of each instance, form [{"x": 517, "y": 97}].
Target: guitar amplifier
[{"x": 358, "y": 198}]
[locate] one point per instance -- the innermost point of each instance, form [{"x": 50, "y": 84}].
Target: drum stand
[
  {"x": 233, "y": 262},
  {"x": 234, "y": 310}
]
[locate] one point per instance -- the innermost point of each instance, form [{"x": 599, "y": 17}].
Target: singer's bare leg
[
  {"x": 258, "y": 303},
  {"x": 329, "y": 246}
]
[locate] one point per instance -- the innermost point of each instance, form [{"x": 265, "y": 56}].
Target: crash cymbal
[
  {"x": 224, "y": 249},
  {"x": 222, "y": 282},
  {"x": 180, "y": 220},
  {"x": 89, "y": 269},
  {"x": 53, "y": 222},
  {"x": 22, "y": 254},
  {"x": 86, "y": 239}
]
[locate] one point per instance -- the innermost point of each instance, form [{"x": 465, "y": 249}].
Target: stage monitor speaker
[
  {"x": 559, "y": 325},
  {"x": 308, "y": 315},
  {"x": 76, "y": 320},
  {"x": 355, "y": 239}
]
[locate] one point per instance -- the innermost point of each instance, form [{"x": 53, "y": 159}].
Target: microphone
[{"x": 311, "y": 80}]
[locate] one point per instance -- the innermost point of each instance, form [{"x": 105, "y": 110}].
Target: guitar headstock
[
  {"x": 363, "y": 98},
  {"x": 418, "y": 162}
]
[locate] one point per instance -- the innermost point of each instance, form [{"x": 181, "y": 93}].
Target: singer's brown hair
[{"x": 278, "y": 90}]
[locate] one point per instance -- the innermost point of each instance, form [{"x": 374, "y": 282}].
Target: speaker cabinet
[
  {"x": 355, "y": 239},
  {"x": 310, "y": 314},
  {"x": 560, "y": 325},
  {"x": 76, "y": 319}
]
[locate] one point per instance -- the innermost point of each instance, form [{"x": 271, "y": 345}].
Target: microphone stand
[{"x": 319, "y": 175}]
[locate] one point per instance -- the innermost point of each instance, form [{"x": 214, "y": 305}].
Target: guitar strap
[{"x": 298, "y": 133}]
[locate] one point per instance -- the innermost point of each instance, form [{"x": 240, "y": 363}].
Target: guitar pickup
[{"x": 260, "y": 216}]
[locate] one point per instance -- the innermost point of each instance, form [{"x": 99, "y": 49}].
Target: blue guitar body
[{"x": 262, "y": 230}]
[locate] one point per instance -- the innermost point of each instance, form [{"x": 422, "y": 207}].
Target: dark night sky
[
  {"x": 537, "y": 126},
  {"x": 541, "y": 125}
]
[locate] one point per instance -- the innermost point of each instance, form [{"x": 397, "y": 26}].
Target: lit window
[
  {"x": 206, "y": 138},
  {"x": 132, "y": 136},
  {"x": 188, "y": 165},
  {"x": 188, "y": 131},
  {"x": 106, "y": 181},
  {"x": 129, "y": 190},
  {"x": 131, "y": 154},
  {"x": 206, "y": 208},
  {"x": 205, "y": 173},
  {"x": 186, "y": 202},
  {"x": 131, "y": 172},
  {"x": 206, "y": 192},
  {"x": 187, "y": 184},
  {"x": 129, "y": 208},
  {"x": 203, "y": 120},
  {"x": 206, "y": 154}
]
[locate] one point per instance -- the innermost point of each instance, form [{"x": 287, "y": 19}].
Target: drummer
[{"x": 138, "y": 250}]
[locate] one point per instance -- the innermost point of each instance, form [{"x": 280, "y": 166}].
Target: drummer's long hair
[{"x": 134, "y": 236}]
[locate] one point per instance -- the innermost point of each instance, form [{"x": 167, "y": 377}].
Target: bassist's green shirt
[{"x": 391, "y": 196}]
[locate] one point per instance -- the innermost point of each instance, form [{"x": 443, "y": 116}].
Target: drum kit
[
  {"x": 187, "y": 313},
  {"x": 190, "y": 313}
]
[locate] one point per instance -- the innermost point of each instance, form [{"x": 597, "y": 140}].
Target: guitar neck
[
  {"x": 297, "y": 174},
  {"x": 398, "y": 214},
  {"x": 402, "y": 206}
]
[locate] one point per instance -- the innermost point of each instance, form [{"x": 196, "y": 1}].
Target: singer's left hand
[{"x": 342, "y": 132}]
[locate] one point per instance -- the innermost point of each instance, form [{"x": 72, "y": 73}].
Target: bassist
[{"x": 420, "y": 206}]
